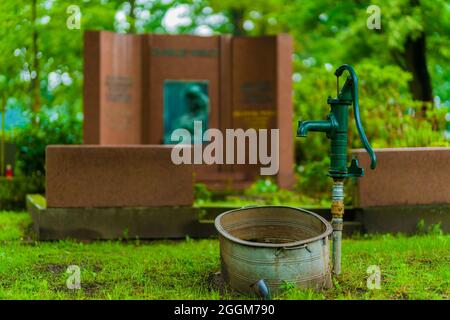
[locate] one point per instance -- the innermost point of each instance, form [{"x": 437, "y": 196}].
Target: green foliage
[
  {"x": 14, "y": 191},
  {"x": 13, "y": 225},
  {"x": 390, "y": 117},
  {"x": 431, "y": 229},
  {"x": 311, "y": 177},
  {"x": 262, "y": 186},
  {"x": 201, "y": 193},
  {"x": 50, "y": 128},
  {"x": 267, "y": 192},
  {"x": 335, "y": 32},
  {"x": 411, "y": 268}
]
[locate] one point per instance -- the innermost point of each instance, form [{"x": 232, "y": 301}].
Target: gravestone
[
  {"x": 409, "y": 187},
  {"x": 86, "y": 176},
  {"x": 139, "y": 88},
  {"x": 405, "y": 177}
]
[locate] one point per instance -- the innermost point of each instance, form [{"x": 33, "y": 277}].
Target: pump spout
[{"x": 321, "y": 126}]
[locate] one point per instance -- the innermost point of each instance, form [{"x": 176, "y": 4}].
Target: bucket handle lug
[{"x": 303, "y": 246}]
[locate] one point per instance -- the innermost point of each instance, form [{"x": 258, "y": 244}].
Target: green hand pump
[{"x": 336, "y": 129}]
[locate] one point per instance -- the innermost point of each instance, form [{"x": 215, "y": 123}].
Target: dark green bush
[
  {"x": 262, "y": 186},
  {"x": 13, "y": 191},
  {"x": 46, "y": 128},
  {"x": 202, "y": 193}
]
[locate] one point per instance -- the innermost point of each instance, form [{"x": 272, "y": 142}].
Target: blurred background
[{"x": 403, "y": 69}]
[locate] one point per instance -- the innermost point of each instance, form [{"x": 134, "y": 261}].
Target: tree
[
  {"x": 34, "y": 84},
  {"x": 413, "y": 34}
]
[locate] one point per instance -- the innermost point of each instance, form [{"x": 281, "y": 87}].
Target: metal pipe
[
  {"x": 337, "y": 213},
  {"x": 305, "y": 126}
]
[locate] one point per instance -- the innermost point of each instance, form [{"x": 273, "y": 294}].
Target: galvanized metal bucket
[{"x": 280, "y": 245}]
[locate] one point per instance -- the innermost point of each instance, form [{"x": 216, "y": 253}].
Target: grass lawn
[{"x": 416, "y": 267}]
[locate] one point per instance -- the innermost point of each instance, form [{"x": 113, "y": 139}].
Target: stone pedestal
[
  {"x": 404, "y": 177},
  {"x": 116, "y": 176}
]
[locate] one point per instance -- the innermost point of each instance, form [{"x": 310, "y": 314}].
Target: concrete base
[
  {"x": 179, "y": 222},
  {"x": 404, "y": 177},
  {"x": 115, "y": 223},
  {"x": 404, "y": 219}
]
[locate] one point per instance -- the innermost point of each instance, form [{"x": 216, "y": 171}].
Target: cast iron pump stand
[{"x": 336, "y": 129}]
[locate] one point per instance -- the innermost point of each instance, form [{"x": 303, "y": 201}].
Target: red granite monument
[{"x": 133, "y": 83}]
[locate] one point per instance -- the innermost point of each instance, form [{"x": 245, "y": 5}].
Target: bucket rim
[{"x": 227, "y": 235}]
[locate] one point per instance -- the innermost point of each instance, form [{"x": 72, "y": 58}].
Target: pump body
[{"x": 336, "y": 129}]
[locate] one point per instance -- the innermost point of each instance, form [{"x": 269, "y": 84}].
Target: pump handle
[{"x": 361, "y": 132}]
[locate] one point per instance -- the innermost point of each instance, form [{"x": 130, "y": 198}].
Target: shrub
[
  {"x": 13, "y": 191},
  {"x": 47, "y": 128},
  {"x": 201, "y": 193}
]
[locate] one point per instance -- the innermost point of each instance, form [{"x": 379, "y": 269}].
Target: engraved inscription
[
  {"x": 118, "y": 89},
  {"x": 183, "y": 52},
  {"x": 257, "y": 119},
  {"x": 118, "y": 118},
  {"x": 257, "y": 92}
]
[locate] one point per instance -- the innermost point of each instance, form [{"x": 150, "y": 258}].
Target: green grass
[{"x": 414, "y": 267}]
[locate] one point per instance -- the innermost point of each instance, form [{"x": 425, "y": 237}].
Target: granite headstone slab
[
  {"x": 140, "y": 87},
  {"x": 405, "y": 177}
]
